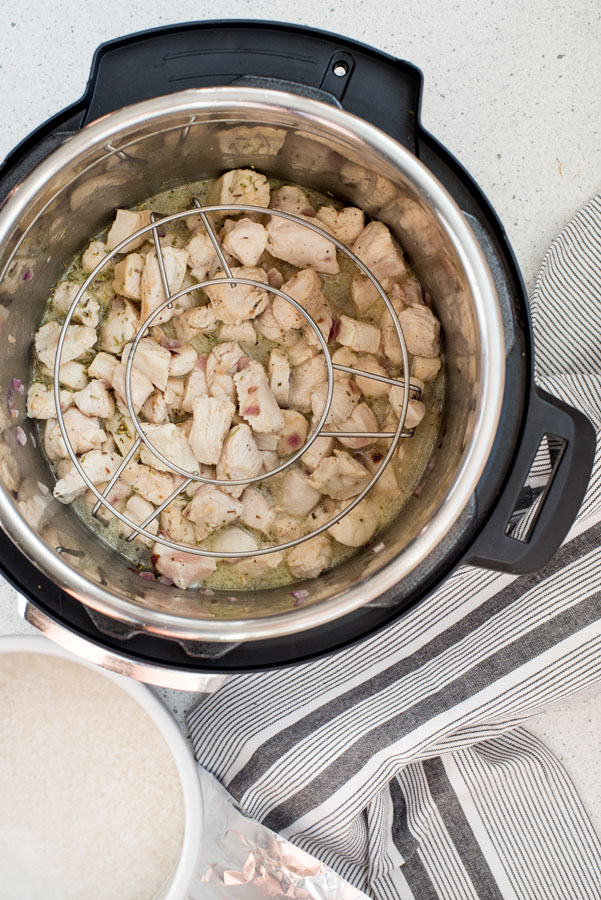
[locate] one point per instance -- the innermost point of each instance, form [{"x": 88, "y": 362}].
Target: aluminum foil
[{"x": 243, "y": 859}]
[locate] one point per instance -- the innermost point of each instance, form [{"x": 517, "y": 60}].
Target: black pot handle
[{"x": 571, "y": 439}]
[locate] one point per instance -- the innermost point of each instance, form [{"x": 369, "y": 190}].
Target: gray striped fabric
[{"x": 403, "y": 762}]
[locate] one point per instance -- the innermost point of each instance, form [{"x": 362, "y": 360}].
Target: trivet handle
[{"x": 516, "y": 543}]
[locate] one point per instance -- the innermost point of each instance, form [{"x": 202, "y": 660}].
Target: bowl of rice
[{"x": 100, "y": 793}]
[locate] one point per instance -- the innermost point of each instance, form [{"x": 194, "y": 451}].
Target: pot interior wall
[{"x": 172, "y": 149}]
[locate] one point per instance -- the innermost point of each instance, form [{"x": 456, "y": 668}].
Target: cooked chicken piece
[
  {"x": 98, "y": 466},
  {"x": 138, "y": 509},
  {"x": 363, "y": 293},
  {"x": 202, "y": 257},
  {"x": 426, "y": 368},
  {"x": 195, "y": 384},
  {"x": 279, "y": 371},
  {"x": 119, "y": 327},
  {"x": 154, "y": 486},
  {"x": 234, "y": 540},
  {"x": 319, "y": 449},
  {"x": 240, "y": 186},
  {"x": 268, "y": 326},
  {"x": 306, "y": 379},
  {"x": 128, "y": 221},
  {"x": 266, "y": 441},
  {"x": 240, "y": 458},
  {"x": 172, "y": 443},
  {"x": 174, "y": 396},
  {"x": 299, "y": 351},
  {"x": 270, "y": 460},
  {"x": 387, "y": 483},
  {"x": 183, "y": 360},
  {"x": 95, "y": 400},
  {"x": 359, "y": 336},
  {"x": 117, "y": 495},
  {"x": 390, "y": 344},
  {"x": 244, "y": 333},
  {"x": 300, "y": 246},
  {"x": 274, "y": 277},
  {"x": 87, "y": 311},
  {"x": 415, "y": 411},
  {"x": 257, "y": 566},
  {"x": 294, "y": 433},
  {"x": 286, "y": 528},
  {"x": 222, "y": 362},
  {"x": 256, "y": 401},
  {"x": 369, "y": 387},
  {"x": 257, "y": 512},
  {"x": 175, "y": 527},
  {"x": 358, "y": 526},
  {"x": 310, "y": 558},
  {"x": 211, "y": 509},
  {"x": 127, "y": 276},
  {"x": 195, "y": 321},
  {"x": 233, "y": 305},
  {"x": 305, "y": 287},
  {"x": 103, "y": 367},
  {"x": 95, "y": 253},
  {"x": 345, "y": 397},
  {"x": 298, "y": 495},
  {"x": 151, "y": 360},
  {"x": 78, "y": 340},
  {"x": 345, "y": 224},
  {"x": 211, "y": 422},
  {"x": 153, "y": 293},
  {"x": 84, "y": 434},
  {"x": 123, "y": 431},
  {"x": 186, "y": 570},
  {"x": 71, "y": 375},
  {"x": 344, "y": 356},
  {"x": 40, "y": 401},
  {"x": 246, "y": 241},
  {"x": 292, "y": 199},
  {"x": 378, "y": 250},
  {"x": 340, "y": 476},
  {"x": 141, "y": 386},
  {"x": 421, "y": 330},
  {"x": 361, "y": 419},
  {"x": 155, "y": 409}
]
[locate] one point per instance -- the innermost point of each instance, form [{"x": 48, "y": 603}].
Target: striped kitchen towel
[{"x": 403, "y": 762}]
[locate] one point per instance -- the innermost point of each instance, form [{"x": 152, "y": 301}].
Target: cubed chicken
[
  {"x": 155, "y": 409},
  {"x": 257, "y": 512},
  {"x": 257, "y": 403},
  {"x": 151, "y": 360},
  {"x": 186, "y": 570},
  {"x": 370, "y": 387},
  {"x": 305, "y": 287},
  {"x": 87, "y": 311},
  {"x": 95, "y": 400},
  {"x": 292, "y": 199},
  {"x": 123, "y": 431},
  {"x": 211, "y": 509},
  {"x": 244, "y": 333},
  {"x": 274, "y": 277},
  {"x": 361, "y": 419},
  {"x": 426, "y": 368},
  {"x": 246, "y": 241},
  {"x": 389, "y": 343},
  {"x": 300, "y": 246},
  {"x": 279, "y": 372},
  {"x": 378, "y": 250},
  {"x": 84, "y": 434},
  {"x": 195, "y": 384},
  {"x": 183, "y": 360},
  {"x": 421, "y": 330},
  {"x": 154, "y": 486},
  {"x": 340, "y": 476},
  {"x": 127, "y": 276},
  {"x": 306, "y": 379},
  {"x": 79, "y": 339},
  {"x": 300, "y": 351},
  {"x": 243, "y": 186},
  {"x": 319, "y": 449},
  {"x": 137, "y": 509},
  {"x": 234, "y": 304},
  {"x": 345, "y": 396},
  {"x": 358, "y": 526},
  {"x": 259, "y": 566},
  {"x": 387, "y": 483},
  {"x": 141, "y": 387},
  {"x": 270, "y": 460},
  {"x": 119, "y": 327},
  {"x": 298, "y": 496},
  {"x": 103, "y": 367},
  {"x": 222, "y": 362},
  {"x": 240, "y": 458},
  {"x": 286, "y": 528},
  {"x": 345, "y": 224},
  {"x": 153, "y": 293},
  {"x": 98, "y": 466},
  {"x": 359, "y": 336},
  {"x": 71, "y": 375},
  {"x": 268, "y": 327},
  {"x": 202, "y": 258},
  {"x": 212, "y": 417},
  {"x": 172, "y": 443},
  {"x": 40, "y": 401},
  {"x": 415, "y": 411},
  {"x": 294, "y": 432},
  {"x": 308, "y": 559},
  {"x": 363, "y": 293},
  {"x": 94, "y": 254},
  {"x": 195, "y": 321},
  {"x": 128, "y": 221},
  {"x": 234, "y": 540},
  {"x": 266, "y": 441},
  {"x": 175, "y": 526}
]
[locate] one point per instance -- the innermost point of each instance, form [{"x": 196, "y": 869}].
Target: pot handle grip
[{"x": 552, "y": 471}]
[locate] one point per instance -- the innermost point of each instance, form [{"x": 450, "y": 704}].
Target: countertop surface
[{"x": 511, "y": 89}]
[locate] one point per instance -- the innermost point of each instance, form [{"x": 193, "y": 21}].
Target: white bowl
[{"x": 183, "y": 874}]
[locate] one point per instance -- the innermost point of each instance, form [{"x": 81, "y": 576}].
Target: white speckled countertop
[{"x": 511, "y": 89}]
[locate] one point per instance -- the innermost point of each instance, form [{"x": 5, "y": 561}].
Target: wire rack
[{"x": 198, "y": 210}]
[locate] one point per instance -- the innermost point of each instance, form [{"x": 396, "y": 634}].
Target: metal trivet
[{"x": 189, "y": 477}]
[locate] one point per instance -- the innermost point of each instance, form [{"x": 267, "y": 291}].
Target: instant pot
[{"x": 187, "y": 102}]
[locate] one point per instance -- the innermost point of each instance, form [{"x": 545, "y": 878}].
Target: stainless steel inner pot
[{"x": 128, "y": 155}]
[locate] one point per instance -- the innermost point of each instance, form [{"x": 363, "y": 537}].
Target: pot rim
[{"x": 492, "y": 356}]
